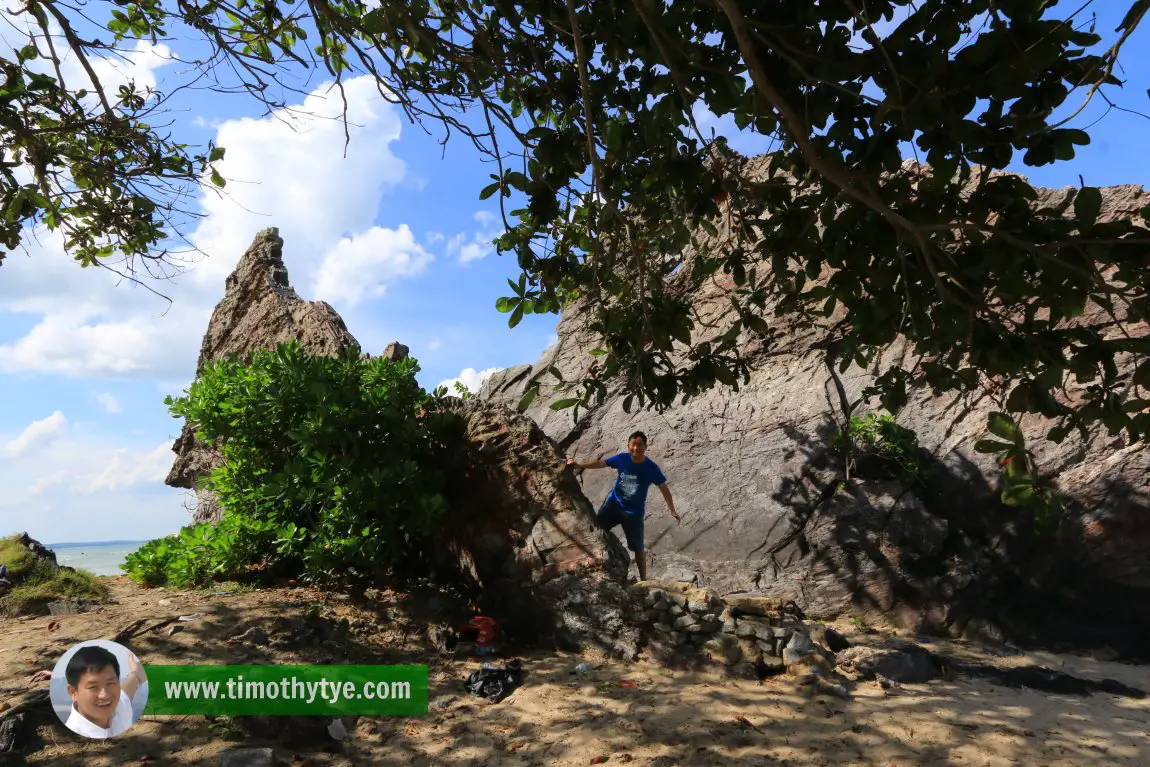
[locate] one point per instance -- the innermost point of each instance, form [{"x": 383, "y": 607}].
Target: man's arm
[
  {"x": 666, "y": 491},
  {"x": 596, "y": 464},
  {"x": 136, "y": 678}
]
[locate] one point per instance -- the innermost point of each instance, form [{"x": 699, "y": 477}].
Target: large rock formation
[
  {"x": 526, "y": 535},
  {"x": 259, "y": 310},
  {"x": 755, "y": 482},
  {"x": 520, "y": 530}
]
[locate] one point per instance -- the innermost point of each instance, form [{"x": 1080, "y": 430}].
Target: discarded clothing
[{"x": 493, "y": 683}]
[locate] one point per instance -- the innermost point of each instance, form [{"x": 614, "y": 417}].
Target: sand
[{"x": 619, "y": 713}]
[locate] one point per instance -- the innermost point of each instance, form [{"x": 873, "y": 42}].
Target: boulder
[
  {"x": 524, "y": 533},
  {"x": 889, "y": 658},
  {"x": 765, "y": 511},
  {"x": 259, "y": 310}
]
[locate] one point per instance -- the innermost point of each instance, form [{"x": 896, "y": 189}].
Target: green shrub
[
  {"x": 333, "y": 467},
  {"x": 1024, "y": 485},
  {"x": 39, "y": 581},
  {"x": 878, "y": 447}
]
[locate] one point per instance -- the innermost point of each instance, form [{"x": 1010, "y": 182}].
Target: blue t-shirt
[{"x": 630, "y": 489}]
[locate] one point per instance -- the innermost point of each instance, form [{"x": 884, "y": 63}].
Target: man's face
[
  {"x": 96, "y": 695},
  {"x": 638, "y": 448}
]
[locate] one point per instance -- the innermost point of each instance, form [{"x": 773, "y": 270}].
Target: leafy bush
[
  {"x": 877, "y": 446},
  {"x": 1024, "y": 486},
  {"x": 39, "y": 581},
  {"x": 333, "y": 467}
]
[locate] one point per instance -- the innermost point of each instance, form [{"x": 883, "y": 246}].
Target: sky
[{"x": 393, "y": 235}]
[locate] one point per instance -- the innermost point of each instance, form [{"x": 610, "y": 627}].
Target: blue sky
[{"x": 393, "y": 236}]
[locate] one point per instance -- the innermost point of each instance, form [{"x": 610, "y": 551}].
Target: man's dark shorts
[{"x": 611, "y": 514}]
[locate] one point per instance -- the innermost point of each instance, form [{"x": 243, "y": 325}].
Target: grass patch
[{"x": 39, "y": 581}]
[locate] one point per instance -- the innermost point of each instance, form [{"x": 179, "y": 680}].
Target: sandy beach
[{"x": 617, "y": 713}]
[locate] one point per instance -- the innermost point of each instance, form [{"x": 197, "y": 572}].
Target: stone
[
  {"x": 749, "y": 648},
  {"x": 685, "y": 621},
  {"x": 249, "y": 757},
  {"x": 395, "y": 351},
  {"x": 66, "y": 607},
  {"x": 891, "y": 658},
  {"x": 800, "y": 643},
  {"x": 729, "y": 626},
  {"x": 655, "y": 597},
  {"x": 697, "y": 628},
  {"x": 868, "y": 544},
  {"x": 781, "y": 632},
  {"x": 259, "y": 310},
  {"x": 255, "y": 635},
  {"x": 791, "y": 657},
  {"x": 676, "y": 610},
  {"x": 747, "y": 605},
  {"x": 662, "y": 628},
  {"x": 772, "y": 663},
  {"x": 745, "y": 629},
  {"x": 827, "y": 636},
  {"x": 766, "y": 647},
  {"x": 725, "y": 652}
]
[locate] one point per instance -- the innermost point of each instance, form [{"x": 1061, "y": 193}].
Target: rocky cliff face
[
  {"x": 259, "y": 310},
  {"x": 526, "y": 535},
  {"x": 755, "y": 482},
  {"x": 520, "y": 530}
]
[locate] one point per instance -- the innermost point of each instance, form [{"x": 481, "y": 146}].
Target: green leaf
[
  {"x": 217, "y": 179},
  {"x": 216, "y": 154},
  {"x": 516, "y": 316},
  {"x": 991, "y": 446},
  {"x": 489, "y": 190},
  {"x": 1087, "y": 206},
  {"x": 1001, "y": 425},
  {"x": 505, "y": 304},
  {"x": 528, "y": 397},
  {"x": 1142, "y": 374},
  {"x": 563, "y": 404},
  {"x": 1019, "y": 495}
]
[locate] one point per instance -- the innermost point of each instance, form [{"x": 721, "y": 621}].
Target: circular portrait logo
[{"x": 98, "y": 689}]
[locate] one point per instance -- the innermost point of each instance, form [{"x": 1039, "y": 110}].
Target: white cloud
[
  {"x": 434, "y": 238},
  {"x": 70, "y": 484},
  {"x": 471, "y": 378},
  {"x": 434, "y": 344},
  {"x": 359, "y": 268},
  {"x": 70, "y": 345},
  {"x": 138, "y": 65},
  {"x": 109, "y": 402},
  {"x": 128, "y": 467},
  {"x": 479, "y": 245},
  {"x": 287, "y": 171},
  {"x": 36, "y": 434}
]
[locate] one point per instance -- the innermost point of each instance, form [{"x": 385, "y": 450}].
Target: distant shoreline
[{"x": 79, "y": 544}]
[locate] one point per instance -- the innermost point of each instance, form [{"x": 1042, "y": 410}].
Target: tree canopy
[{"x": 590, "y": 109}]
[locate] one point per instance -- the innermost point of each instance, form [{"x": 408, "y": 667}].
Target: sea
[{"x": 100, "y": 557}]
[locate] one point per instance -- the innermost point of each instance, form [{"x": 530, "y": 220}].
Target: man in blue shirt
[{"x": 626, "y": 503}]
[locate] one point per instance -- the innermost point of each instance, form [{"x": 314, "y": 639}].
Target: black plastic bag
[{"x": 495, "y": 684}]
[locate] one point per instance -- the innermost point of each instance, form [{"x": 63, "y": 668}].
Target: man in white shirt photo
[{"x": 101, "y": 704}]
